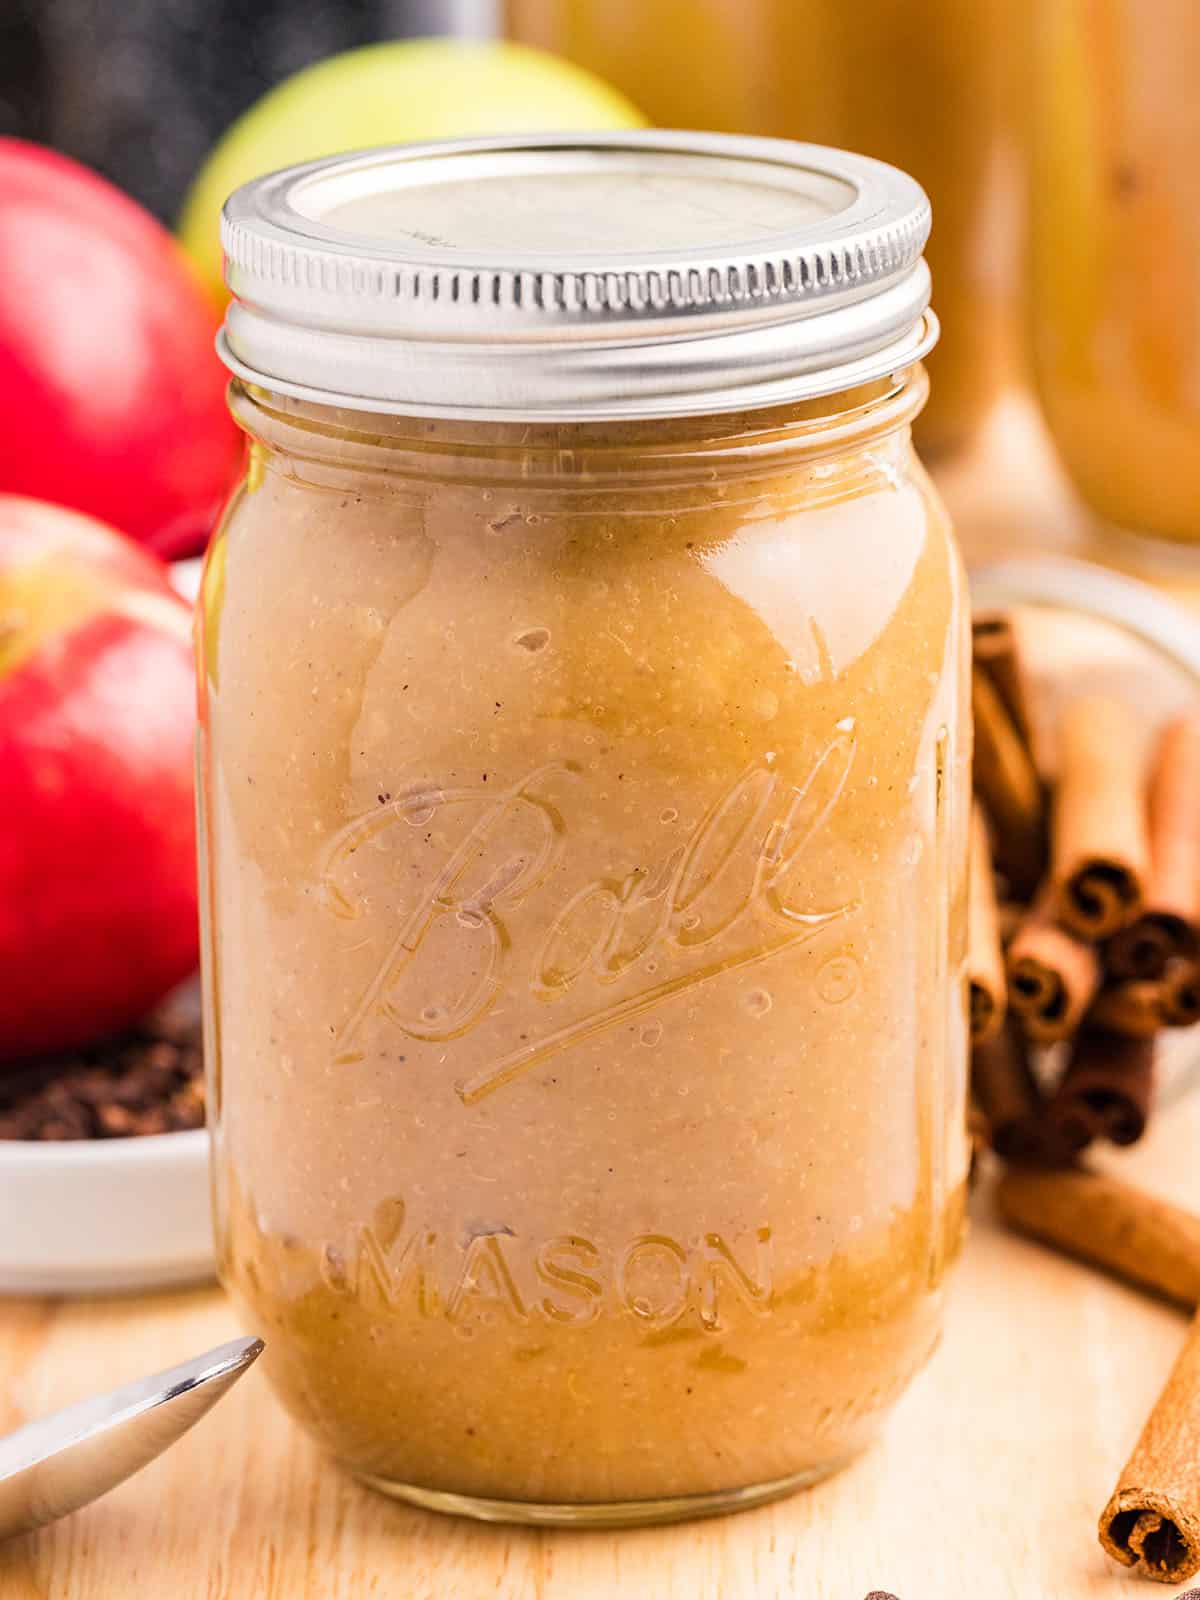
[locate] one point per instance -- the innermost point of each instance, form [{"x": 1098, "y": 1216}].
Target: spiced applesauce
[{"x": 584, "y": 802}]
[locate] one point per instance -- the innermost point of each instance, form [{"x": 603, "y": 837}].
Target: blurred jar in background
[
  {"x": 1115, "y": 253},
  {"x": 920, "y": 83}
]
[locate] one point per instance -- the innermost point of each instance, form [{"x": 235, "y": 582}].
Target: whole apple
[
  {"x": 111, "y": 393},
  {"x": 393, "y": 93},
  {"x": 98, "y": 915}
]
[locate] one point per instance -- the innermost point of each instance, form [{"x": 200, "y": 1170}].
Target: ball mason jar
[
  {"x": 1115, "y": 237},
  {"x": 927, "y": 84},
  {"x": 584, "y": 783}
]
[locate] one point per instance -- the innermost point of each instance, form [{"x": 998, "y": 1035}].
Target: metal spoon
[{"x": 64, "y": 1461}]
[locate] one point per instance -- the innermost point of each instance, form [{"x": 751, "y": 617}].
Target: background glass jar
[
  {"x": 584, "y": 806},
  {"x": 1115, "y": 237},
  {"x": 926, "y": 84}
]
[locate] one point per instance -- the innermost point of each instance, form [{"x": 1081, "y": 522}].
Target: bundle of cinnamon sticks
[
  {"x": 1084, "y": 937},
  {"x": 1084, "y": 943}
]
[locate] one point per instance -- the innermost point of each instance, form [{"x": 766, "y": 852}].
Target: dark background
[{"x": 140, "y": 90}]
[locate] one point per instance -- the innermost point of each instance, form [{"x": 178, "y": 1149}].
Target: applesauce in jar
[
  {"x": 1115, "y": 236},
  {"x": 584, "y": 775}
]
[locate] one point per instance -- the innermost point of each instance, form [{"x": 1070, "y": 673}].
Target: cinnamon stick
[
  {"x": 997, "y": 653},
  {"x": 1008, "y": 785},
  {"x": 1181, "y": 995},
  {"x": 979, "y": 1131},
  {"x": 985, "y": 958},
  {"x": 1142, "y": 1006},
  {"x": 1052, "y": 975},
  {"x": 1152, "y": 1521},
  {"x": 1009, "y": 915},
  {"x": 1135, "y": 1009},
  {"x": 1007, "y": 1093},
  {"x": 1097, "y": 1218},
  {"x": 1100, "y": 846},
  {"x": 1106, "y": 1091},
  {"x": 979, "y": 1138},
  {"x": 1142, "y": 950},
  {"x": 1169, "y": 926}
]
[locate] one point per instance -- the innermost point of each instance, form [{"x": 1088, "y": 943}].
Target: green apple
[{"x": 393, "y": 93}]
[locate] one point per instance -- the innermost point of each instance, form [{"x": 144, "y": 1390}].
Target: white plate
[{"x": 91, "y": 1216}]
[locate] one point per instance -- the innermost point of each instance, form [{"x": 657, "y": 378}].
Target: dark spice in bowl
[{"x": 150, "y": 1080}]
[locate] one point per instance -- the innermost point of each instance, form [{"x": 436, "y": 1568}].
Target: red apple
[
  {"x": 98, "y": 912},
  {"x": 111, "y": 394}
]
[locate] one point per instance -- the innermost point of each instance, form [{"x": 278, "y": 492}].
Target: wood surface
[{"x": 987, "y": 1484}]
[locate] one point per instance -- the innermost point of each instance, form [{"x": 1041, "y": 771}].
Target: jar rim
[
  {"x": 733, "y": 445},
  {"x": 373, "y": 281}
]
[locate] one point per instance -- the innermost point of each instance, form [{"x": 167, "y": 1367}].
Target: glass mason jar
[
  {"x": 584, "y": 777},
  {"x": 925, "y": 84},
  {"x": 1115, "y": 237}
]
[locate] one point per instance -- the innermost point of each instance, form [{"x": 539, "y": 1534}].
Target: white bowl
[{"x": 90, "y": 1216}]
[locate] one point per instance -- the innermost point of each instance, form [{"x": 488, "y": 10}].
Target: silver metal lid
[{"x": 574, "y": 277}]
